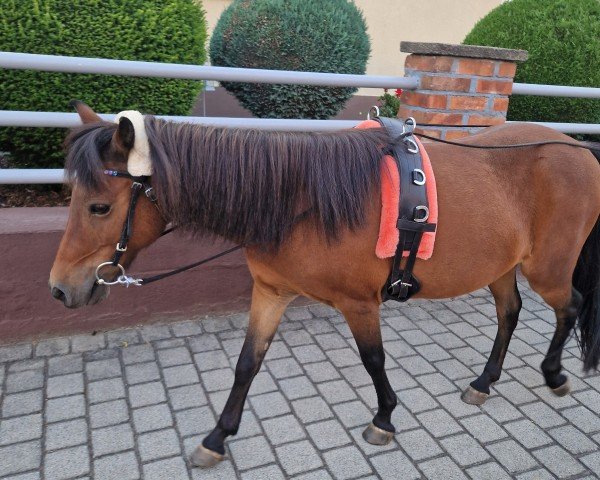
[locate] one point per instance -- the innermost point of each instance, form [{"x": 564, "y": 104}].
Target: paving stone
[
  {"x": 251, "y": 452},
  {"x": 192, "y": 421},
  {"x": 558, "y": 461},
  {"x": 284, "y": 368},
  {"x": 278, "y": 349},
  {"x": 22, "y": 381},
  {"x": 217, "y": 379},
  {"x": 26, "y": 476},
  {"x": 418, "y": 444},
  {"x": 66, "y": 434},
  {"x": 142, "y": 372},
  {"x": 572, "y": 439},
  {"x": 346, "y": 462},
  {"x": 156, "y": 445},
  {"x": 328, "y": 434},
  {"x": 352, "y": 414},
  {"x": 166, "y": 469},
  {"x": 108, "y": 413},
  {"x": 488, "y": 471},
  {"x": 398, "y": 349},
  {"x": 187, "y": 396},
  {"x": 64, "y": 385},
  {"x": 211, "y": 360},
  {"x": 439, "y": 423},
  {"x": 65, "y": 364},
  {"x": 67, "y": 463},
  {"x": 298, "y": 457},
  {"x": 501, "y": 410},
  {"x": 589, "y": 398},
  {"x": 112, "y": 439},
  {"x": 269, "y": 405},
  {"x": 512, "y": 456},
  {"x": 464, "y": 449},
  {"x": 582, "y": 418},
  {"x": 311, "y": 409},
  {"x": 11, "y": 353},
  {"x": 20, "y": 458},
  {"x": 22, "y": 403},
  {"x": 87, "y": 343},
  {"x": 592, "y": 461},
  {"x": 262, "y": 383},
  {"x": 542, "y": 415},
  {"x": 336, "y": 391},
  {"x": 150, "y": 418},
  {"x": 103, "y": 369},
  {"x": 186, "y": 329},
  {"x": 417, "y": 400},
  {"x": 297, "y": 337},
  {"x": 123, "y": 338},
  {"x": 283, "y": 429},
  {"x": 104, "y": 390},
  {"x": 52, "y": 346},
  {"x": 442, "y": 468},
  {"x": 453, "y": 369},
  {"x": 20, "y": 429},
  {"x": 436, "y": 383},
  {"x": 98, "y": 355},
  {"x": 147, "y": 394},
  {"x": 272, "y": 472},
  {"x": 65, "y": 408},
  {"x": 416, "y": 365},
  {"x": 297, "y": 387},
  {"x": 357, "y": 375},
  {"x": 137, "y": 354},
  {"x": 515, "y": 393},
  {"x": 483, "y": 428},
  {"x": 180, "y": 375},
  {"x": 123, "y": 466}
]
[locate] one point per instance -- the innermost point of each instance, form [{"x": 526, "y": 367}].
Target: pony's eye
[{"x": 99, "y": 209}]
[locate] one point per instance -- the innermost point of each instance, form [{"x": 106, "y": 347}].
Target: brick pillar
[{"x": 458, "y": 85}]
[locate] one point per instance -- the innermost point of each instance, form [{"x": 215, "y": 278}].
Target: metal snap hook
[
  {"x": 101, "y": 281},
  {"x": 375, "y": 110}
]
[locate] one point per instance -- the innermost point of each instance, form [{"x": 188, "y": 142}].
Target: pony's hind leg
[
  {"x": 363, "y": 320},
  {"x": 265, "y": 314},
  {"x": 566, "y": 318},
  {"x": 508, "y": 306}
]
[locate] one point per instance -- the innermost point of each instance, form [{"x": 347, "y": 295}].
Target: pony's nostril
[{"x": 58, "y": 294}]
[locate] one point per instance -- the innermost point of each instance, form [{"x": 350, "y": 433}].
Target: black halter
[{"x": 138, "y": 184}]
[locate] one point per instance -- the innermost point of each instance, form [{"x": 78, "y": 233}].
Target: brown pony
[{"x": 306, "y": 206}]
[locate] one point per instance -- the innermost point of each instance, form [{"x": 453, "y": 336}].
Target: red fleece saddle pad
[{"x": 389, "y": 235}]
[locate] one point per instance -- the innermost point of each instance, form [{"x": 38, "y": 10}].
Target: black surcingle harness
[{"x": 413, "y": 211}]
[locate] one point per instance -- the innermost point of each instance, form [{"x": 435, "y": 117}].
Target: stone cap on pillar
[{"x": 464, "y": 51}]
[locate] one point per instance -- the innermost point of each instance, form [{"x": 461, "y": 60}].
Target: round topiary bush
[
  {"x": 151, "y": 30},
  {"x": 563, "y": 40},
  {"x": 301, "y": 35}
]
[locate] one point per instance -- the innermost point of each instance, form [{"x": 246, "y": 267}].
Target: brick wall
[{"x": 458, "y": 85}]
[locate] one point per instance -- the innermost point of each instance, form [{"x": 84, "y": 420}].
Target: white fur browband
[{"x": 138, "y": 163}]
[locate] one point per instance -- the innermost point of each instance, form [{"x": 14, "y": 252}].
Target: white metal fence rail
[{"x": 51, "y": 63}]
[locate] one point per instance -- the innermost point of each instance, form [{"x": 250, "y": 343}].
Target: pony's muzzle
[{"x": 78, "y": 297}]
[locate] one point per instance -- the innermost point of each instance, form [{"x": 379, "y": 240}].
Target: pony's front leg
[
  {"x": 363, "y": 320},
  {"x": 265, "y": 314}
]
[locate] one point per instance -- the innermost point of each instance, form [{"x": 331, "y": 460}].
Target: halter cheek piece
[{"x": 139, "y": 169}]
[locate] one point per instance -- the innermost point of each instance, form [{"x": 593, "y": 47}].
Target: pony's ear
[
  {"x": 86, "y": 114},
  {"x": 125, "y": 134}
]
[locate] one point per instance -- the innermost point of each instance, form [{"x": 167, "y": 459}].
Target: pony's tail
[{"x": 586, "y": 280}]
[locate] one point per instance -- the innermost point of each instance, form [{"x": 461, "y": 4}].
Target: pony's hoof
[
  {"x": 563, "y": 389},
  {"x": 205, "y": 458},
  {"x": 474, "y": 397},
  {"x": 377, "y": 436}
]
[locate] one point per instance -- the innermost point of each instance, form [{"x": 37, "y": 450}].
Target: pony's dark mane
[{"x": 246, "y": 185}]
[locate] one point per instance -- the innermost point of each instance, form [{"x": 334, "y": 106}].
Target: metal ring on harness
[
  {"x": 374, "y": 110},
  {"x": 418, "y": 177},
  {"x": 421, "y": 208},
  {"x": 101, "y": 281}
]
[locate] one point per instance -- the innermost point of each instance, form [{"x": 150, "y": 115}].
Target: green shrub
[
  {"x": 301, "y": 35},
  {"x": 151, "y": 30},
  {"x": 563, "y": 40}
]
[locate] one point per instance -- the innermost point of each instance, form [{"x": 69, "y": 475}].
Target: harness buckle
[
  {"x": 418, "y": 177},
  {"x": 402, "y": 284},
  {"x": 420, "y": 208},
  {"x": 150, "y": 194}
]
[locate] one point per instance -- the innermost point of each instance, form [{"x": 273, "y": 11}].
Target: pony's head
[{"x": 99, "y": 205}]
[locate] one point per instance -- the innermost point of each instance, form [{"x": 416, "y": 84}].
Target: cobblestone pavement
[{"x": 134, "y": 403}]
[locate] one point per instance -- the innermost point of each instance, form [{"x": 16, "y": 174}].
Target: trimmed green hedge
[
  {"x": 151, "y": 30},
  {"x": 563, "y": 40},
  {"x": 303, "y": 35}
]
